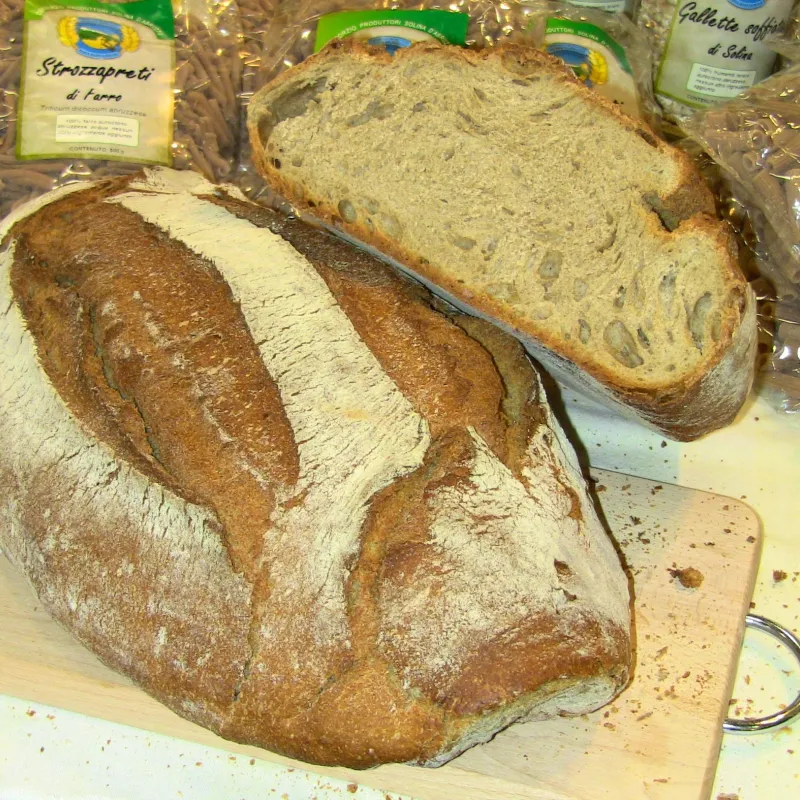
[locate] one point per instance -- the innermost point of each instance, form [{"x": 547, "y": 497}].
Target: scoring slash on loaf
[
  {"x": 518, "y": 194},
  {"x": 255, "y": 470}
]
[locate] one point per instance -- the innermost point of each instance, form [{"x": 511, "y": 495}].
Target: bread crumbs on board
[{"x": 689, "y": 577}]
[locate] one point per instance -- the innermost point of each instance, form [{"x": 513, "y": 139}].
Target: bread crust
[
  {"x": 169, "y": 452},
  {"x": 682, "y": 409}
]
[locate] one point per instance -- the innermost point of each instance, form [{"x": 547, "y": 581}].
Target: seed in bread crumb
[
  {"x": 689, "y": 577},
  {"x": 779, "y": 575},
  {"x": 352, "y": 788}
]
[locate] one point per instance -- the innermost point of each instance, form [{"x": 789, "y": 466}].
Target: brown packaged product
[
  {"x": 257, "y": 472},
  {"x": 206, "y": 96},
  {"x": 520, "y": 195}
]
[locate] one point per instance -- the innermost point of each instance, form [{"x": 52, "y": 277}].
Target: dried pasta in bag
[
  {"x": 257, "y": 18},
  {"x": 755, "y": 139},
  {"x": 294, "y": 36},
  {"x": 89, "y": 50}
]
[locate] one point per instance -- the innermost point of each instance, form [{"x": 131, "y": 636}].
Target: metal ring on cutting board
[{"x": 754, "y": 724}]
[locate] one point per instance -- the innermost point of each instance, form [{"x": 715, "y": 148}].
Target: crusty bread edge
[
  {"x": 689, "y": 413},
  {"x": 473, "y": 730},
  {"x": 683, "y": 410}
]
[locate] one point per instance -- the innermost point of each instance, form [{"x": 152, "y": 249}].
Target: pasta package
[
  {"x": 707, "y": 53},
  {"x": 605, "y": 50},
  {"x": 257, "y": 17},
  {"x": 90, "y": 89},
  {"x": 755, "y": 140}
]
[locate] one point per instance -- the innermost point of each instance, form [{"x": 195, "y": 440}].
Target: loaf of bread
[
  {"x": 257, "y": 471},
  {"x": 520, "y": 195}
]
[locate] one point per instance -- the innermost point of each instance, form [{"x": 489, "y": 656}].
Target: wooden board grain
[{"x": 660, "y": 739}]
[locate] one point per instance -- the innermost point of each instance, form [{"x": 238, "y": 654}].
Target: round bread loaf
[{"x": 256, "y": 471}]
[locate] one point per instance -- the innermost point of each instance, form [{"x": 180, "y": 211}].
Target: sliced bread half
[{"x": 520, "y": 195}]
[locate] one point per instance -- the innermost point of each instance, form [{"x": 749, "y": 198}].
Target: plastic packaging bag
[
  {"x": 706, "y": 53},
  {"x": 206, "y": 89},
  {"x": 257, "y": 17},
  {"x": 292, "y": 39},
  {"x": 208, "y": 80},
  {"x": 592, "y": 42},
  {"x": 755, "y": 139},
  {"x": 610, "y": 6}
]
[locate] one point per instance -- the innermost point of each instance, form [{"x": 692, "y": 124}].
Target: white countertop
[{"x": 50, "y": 753}]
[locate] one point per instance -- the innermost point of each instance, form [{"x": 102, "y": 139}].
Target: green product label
[
  {"x": 585, "y": 30},
  {"x": 155, "y": 14},
  {"x": 595, "y": 57},
  {"x": 393, "y": 28},
  {"x": 97, "y": 81}
]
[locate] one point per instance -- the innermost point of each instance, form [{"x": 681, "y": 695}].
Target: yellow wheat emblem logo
[
  {"x": 97, "y": 38},
  {"x": 598, "y": 73}
]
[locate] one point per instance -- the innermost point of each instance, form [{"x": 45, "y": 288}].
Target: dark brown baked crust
[{"x": 133, "y": 329}]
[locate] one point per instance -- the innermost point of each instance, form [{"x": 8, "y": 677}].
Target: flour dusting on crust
[
  {"x": 147, "y": 578},
  {"x": 356, "y": 432}
]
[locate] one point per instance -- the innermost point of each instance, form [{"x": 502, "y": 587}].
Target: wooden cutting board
[{"x": 659, "y": 740}]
